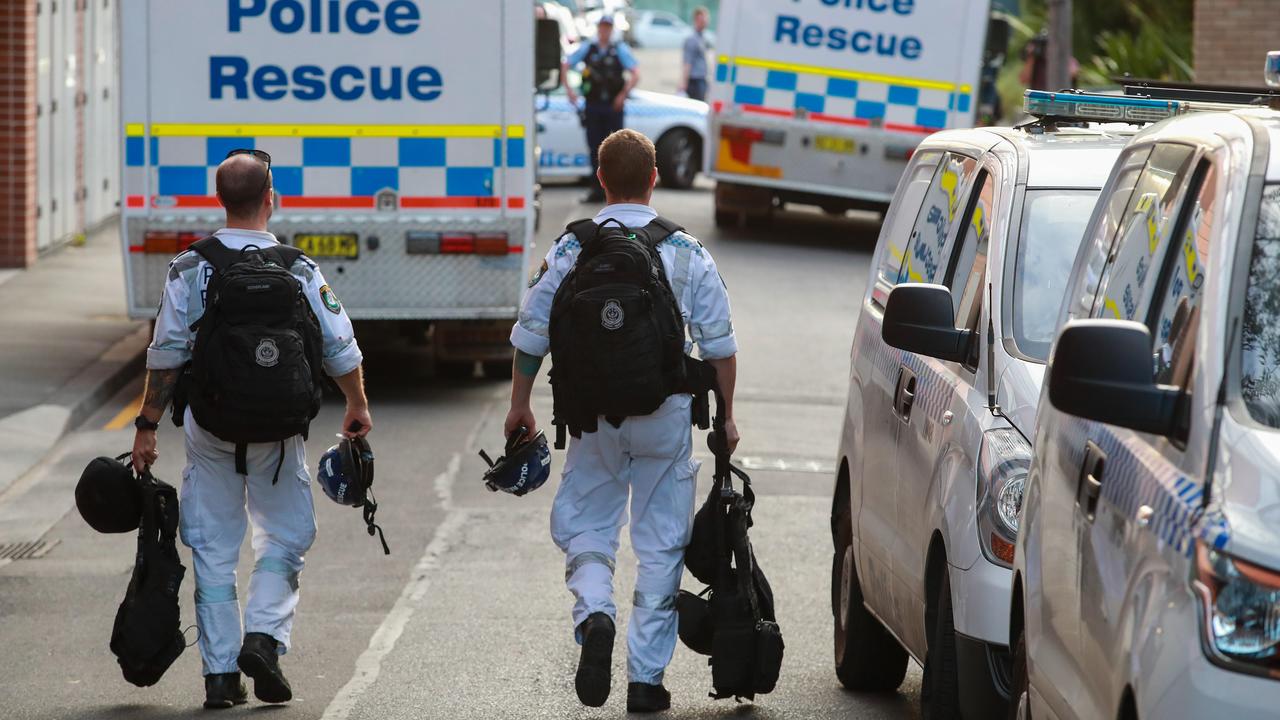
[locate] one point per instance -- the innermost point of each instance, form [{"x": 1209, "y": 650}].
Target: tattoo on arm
[
  {"x": 159, "y": 389},
  {"x": 527, "y": 364}
]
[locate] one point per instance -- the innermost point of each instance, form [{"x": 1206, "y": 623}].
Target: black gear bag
[
  {"x": 733, "y": 620},
  {"x": 602, "y": 78},
  {"x": 617, "y": 333},
  {"x": 147, "y": 635},
  {"x": 256, "y": 371}
]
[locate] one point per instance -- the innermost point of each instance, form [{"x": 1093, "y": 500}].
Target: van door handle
[
  {"x": 906, "y": 394},
  {"x": 1090, "y": 485}
]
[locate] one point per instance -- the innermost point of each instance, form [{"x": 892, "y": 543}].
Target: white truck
[
  {"x": 401, "y": 137},
  {"x": 822, "y": 102}
]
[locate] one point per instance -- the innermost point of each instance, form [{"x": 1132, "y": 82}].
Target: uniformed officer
[
  {"x": 609, "y": 74},
  {"x": 646, "y": 459},
  {"x": 214, "y": 509}
]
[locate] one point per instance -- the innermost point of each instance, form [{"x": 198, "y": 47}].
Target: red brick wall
[
  {"x": 17, "y": 132},
  {"x": 1232, "y": 38}
]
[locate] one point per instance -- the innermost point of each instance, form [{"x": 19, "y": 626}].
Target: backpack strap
[
  {"x": 666, "y": 228},
  {"x": 218, "y": 255},
  {"x": 659, "y": 230},
  {"x": 584, "y": 230},
  {"x": 284, "y": 255}
]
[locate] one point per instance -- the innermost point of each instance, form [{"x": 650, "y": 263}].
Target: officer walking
[
  {"x": 644, "y": 459},
  {"x": 609, "y": 74},
  {"x": 695, "y": 57},
  {"x": 228, "y": 481}
]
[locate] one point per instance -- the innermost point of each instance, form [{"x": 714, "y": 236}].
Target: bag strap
[
  {"x": 215, "y": 253},
  {"x": 584, "y": 230},
  {"x": 284, "y": 255},
  {"x": 659, "y": 229}
]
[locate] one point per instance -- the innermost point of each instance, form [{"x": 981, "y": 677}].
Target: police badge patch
[
  {"x": 267, "y": 353},
  {"x": 330, "y": 299},
  {"x": 611, "y": 315},
  {"x": 538, "y": 275}
]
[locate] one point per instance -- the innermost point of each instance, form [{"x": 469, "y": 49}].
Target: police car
[
  {"x": 1147, "y": 571},
  {"x": 677, "y": 126},
  {"x": 947, "y": 361}
]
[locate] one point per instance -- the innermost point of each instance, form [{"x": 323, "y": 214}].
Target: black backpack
[
  {"x": 147, "y": 635},
  {"x": 603, "y": 79},
  {"x": 617, "y": 334},
  {"x": 256, "y": 371}
]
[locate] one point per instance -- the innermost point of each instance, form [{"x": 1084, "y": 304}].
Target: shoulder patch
[
  {"x": 566, "y": 245},
  {"x": 331, "y": 302},
  {"x": 538, "y": 275}
]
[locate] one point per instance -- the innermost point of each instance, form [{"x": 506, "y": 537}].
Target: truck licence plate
[
  {"x": 833, "y": 144},
  {"x": 329, "y": 245}
]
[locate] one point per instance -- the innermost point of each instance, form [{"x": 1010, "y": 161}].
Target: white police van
[
  {"x": 946, "y": 366},
  {"x": 400, "y": 133},
  {"x": 1147, "y": 570}
]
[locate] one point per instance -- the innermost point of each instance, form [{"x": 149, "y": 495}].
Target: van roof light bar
[{"x": 1081, "y": 106}]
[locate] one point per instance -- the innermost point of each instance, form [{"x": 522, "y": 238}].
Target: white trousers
[
  {"x": 216, "y": 505},
  {"x": 647, "y": 459}
]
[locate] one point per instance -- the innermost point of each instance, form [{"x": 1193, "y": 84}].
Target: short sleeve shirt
[
  {"x": 625, "y": 56},
  {"x": 695, "y": 56}
]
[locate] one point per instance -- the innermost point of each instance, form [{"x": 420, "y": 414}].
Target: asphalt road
[{"x": 468, "y": 618}]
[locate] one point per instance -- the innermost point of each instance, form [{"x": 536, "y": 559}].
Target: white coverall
[
  {"x": 213, "y": 500},
  {"x": 647, "y": 458}
]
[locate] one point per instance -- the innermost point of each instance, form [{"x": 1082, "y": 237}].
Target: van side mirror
[
  {"x": 920, "y": 318},
  {"x": 547, "y": 54},
  {"x": 1102, "y": 370}
]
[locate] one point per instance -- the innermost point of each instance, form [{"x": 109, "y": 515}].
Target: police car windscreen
[
  {"x": 1260, "y": 333},
  {"x": 1053, "y": 222}
]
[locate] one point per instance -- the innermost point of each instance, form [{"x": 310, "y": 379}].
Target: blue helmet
[
  {"x": 346, "y": 475},
  {"x": 524, "y": 466}
]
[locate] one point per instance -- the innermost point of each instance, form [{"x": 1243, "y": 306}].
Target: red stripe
[
  {"x": 910, "y": 128},
  {"x": 515, "y": 203},
  {"x": 823, "y": 117},
  {"x": 515, "y": 249},
  {"x": 761, "y": 110},
  {"x": 337, "y": 201},
  {"x": 717, "y": 106},
  {"x": 192, "y": 201},
  {"x": 137, "y": 249},
  {"x": 136, "y": 201},
  {"x": 451, "y": 202}
]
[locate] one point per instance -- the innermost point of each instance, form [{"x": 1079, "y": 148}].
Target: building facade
[{"x": 1232, "y": 38}]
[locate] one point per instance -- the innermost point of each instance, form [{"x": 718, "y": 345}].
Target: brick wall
[
  {"x": 1232, "y": 38},
  {"x": 17, "y": 132}
]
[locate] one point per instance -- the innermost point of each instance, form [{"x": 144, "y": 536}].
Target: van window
[
  {"x": 1098, "y": 244},
  {"x": 1127, "y": 282},
  {"x": 1260, "y": 332},
  {"x": 966, "y": 282},
  {"x": 1174, "y": 323},
  {"x": 899, "y": 220},
  {"x": 929, "y": 248}
]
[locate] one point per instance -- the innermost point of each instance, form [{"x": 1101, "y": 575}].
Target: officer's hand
[
  {"x": 731, "y": 435},
  {"x": 619, "y": 103},
  {"x": 519, "y": 417},
  {"x": 144, "y": 449},
  {"x": 356, "y": 417}
]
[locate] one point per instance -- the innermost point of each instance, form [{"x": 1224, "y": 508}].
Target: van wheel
[
  {"x": 678, "y": 158},
  {"x": 867, "y": 656},
  {"x": 1020, "y": 697},
  {"x": 940, "y": 692}
]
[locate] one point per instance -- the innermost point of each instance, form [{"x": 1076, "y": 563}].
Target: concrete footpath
[{"x": 66, "y": 346}]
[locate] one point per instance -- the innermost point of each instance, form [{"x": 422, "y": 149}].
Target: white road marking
[{"x": 369, "y": 664}]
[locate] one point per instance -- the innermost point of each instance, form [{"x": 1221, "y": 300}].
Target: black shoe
[
  {"x": 260, "y": 661},
  {"x": 595, "y": 196},
  {"x": 592, "y": 681},
  {"x": 646, "y": 698},
  {"x": 223, "y": 690}
]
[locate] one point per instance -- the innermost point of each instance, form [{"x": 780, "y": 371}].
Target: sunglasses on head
[{"x": 261, "y": 155}]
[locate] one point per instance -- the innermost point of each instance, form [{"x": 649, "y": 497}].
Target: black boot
[
  {"x": 222, "y": 690},
  {"x": 260, "y": 661},
  {"x": 592, "y": 681},
  {"x": 646, "y": 698}
]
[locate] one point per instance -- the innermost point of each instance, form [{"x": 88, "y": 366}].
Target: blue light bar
[{"x": 1094, "y": 107}]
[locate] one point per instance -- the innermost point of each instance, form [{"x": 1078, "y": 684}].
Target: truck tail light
[
  {"x": 491, "y": 244},
  {"x": 166, "y": 242},
  {"x": 457, "y": 244}
]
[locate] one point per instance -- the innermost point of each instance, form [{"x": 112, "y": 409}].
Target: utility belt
[{"x": 699, "y": 382}]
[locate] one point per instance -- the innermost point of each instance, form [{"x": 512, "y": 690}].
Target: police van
[
  {"x": 823, "y": 102},
  {"x": 1147, "y": 569},
  {"x": 401, "y": 137},
  {"x": 947, "y": 360}
]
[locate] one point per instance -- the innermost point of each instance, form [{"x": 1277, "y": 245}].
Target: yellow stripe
[
  {"x": 343, "y": 131},
  {"x": 847, "y": 74},
  {"x": 515, "y": 131},
  {"x": 126, "y": 415},
  {"x": 135, "y": 129}
]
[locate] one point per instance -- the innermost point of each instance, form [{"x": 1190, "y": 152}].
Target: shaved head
[{"x": 243, "y": 183}]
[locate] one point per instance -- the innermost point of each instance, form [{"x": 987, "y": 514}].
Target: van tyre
[
  {"x": 940, "y": 692},
  {"x": 867, "y": 657},
  {"x": 1020, "y": 696},
  {"x": 678, "y": 158}
]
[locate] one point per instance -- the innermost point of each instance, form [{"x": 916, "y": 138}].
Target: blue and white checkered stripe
[{"x": 869, "y": 100}]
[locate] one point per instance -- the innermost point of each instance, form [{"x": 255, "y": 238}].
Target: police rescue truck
[
  {"x": 823, "y": 101},
  {"x": 400, "y": 133}
]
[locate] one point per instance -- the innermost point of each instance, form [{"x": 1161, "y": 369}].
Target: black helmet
[
  {"x": 108, "y": 495},
  {"x": 524, "y": 466}
]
